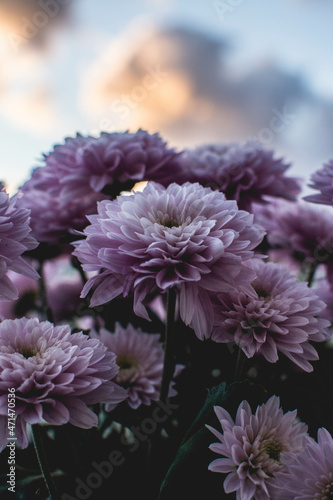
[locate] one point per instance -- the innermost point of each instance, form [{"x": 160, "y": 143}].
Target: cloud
[
  {"x": 30, "y": 22},
  {"x": 27, "y": 97},
  {"x": 181, "y": 83},
  {"x": 30, "y": 110},
  {"x": 152, "y": 77}
]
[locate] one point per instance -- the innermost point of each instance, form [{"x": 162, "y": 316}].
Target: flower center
[
  {"x": 125, "y": 364},
  {"x": 127, "y": 369},
  {"x": 273, "y": 450},
  {"x": 327, "y": 492},
  {"x": 260, "y": 291},
  {"x": 169, "y": 222},
  {"x": 27, "y": 352}
]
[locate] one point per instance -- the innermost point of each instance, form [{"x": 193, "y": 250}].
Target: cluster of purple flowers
[
  {"x": 84, "y": 170},
  {"x": 269, "y": 455},
  {"x": 55, "y": 374},
  {"x": 210, "y": 226},
  {"x": 185, "y": 237},
  {"x": 300, "y": 235},
  {"x": 247, "y": 172}
]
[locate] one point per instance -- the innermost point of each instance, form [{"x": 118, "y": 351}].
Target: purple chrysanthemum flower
[
  {"x": 253, "y": 447},
  {"x": 113, "y": 162},
  {"x": 63, "y": 285},
  {"x": 184, "y": 237},
  {"x": 25, "y": 304},
  {"x": 52, "y": 219},
  {"x": 15, "y": 240},
  {"x": 244, "y": 172},
  {"x": 281, "y": 315},
  {"x": 308, "y": 475},
  {"x": 325, "y": 292},
  {"x": 85, "y": 170},
  {"x": 140, "y": 358},
  {"x": 55, "y": 374},
  {"x": 322, "y": 180},
  {"x": 300, "y": 232}
]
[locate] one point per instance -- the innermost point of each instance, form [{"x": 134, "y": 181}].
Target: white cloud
[
  {"x": 178, "y": 82},
  {"x": 30, "y": 110},
  {"x": 27, "y": 99}
]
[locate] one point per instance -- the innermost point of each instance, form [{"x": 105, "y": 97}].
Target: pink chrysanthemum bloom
[
  {"x": 253, "y": 447},
  {"x": 184, "y": 237},
  {"x": 281, "y": 315},
  {"x": 325, "y": 292},
  {"x": 55, "y": 374},
  {"x": 299, "y": 231},
  {"x": 140, "y": 358},
  {"x": 300, "y": 235},
  {"x": 308, "y": 475},
  {"x": 322, "y": 180},
  {"x": 244, "y": 172},
  {"x": 113, "y": 162},
  {"x": 15, "y": 240},
  {"x": 25, "y": 304},
  {"x": 53, "y": 220},
  {"x": 63, "y": 285}
]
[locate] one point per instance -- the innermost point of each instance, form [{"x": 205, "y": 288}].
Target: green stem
[
  {"x": 148, "y": 460},
  {"x": 312, "y": 271},
  {"x": 239, "y": 364},
  {"x": 39, "y": 448},
  {"x": 168, "y": 367},
  {"x": 76, "y": 264},
  {"x": 42, "y": 292}
]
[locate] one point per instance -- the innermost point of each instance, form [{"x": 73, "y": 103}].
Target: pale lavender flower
[
  {"x": 15, "y": 240},
  {"x": 85, "y": 170},
  {"x": 281, "y": 315},
  {"x": 322, "y": 181},
  {"x": 308, "y": 475},
  {"x": 112, "y": 162},
  {"x": 140, "y": 358},
  {"x": 184, "y": 237},
  {"x": 325, "y": 292},
  {"x": 52, "y": 219},
  {"x": 55, "y": 374},
  {"x": 63, "y": 285},
  {"x": 252, "y": 447},
  {"x": 300, "y": 232},
  {"x": 245, "y": 172},
  {"x": 25, "y": 304}
]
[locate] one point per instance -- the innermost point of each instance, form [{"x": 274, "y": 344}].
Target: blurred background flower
[
  {"x": 140, "y": 359},
  {"x": 193, "y": 71}
]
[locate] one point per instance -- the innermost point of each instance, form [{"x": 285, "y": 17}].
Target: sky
[{"x": 195, "y": 72}]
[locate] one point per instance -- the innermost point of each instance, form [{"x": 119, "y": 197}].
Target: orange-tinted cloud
[
  {"x": 179, "y": 82},
  {"x": 28, "y": 22}
]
